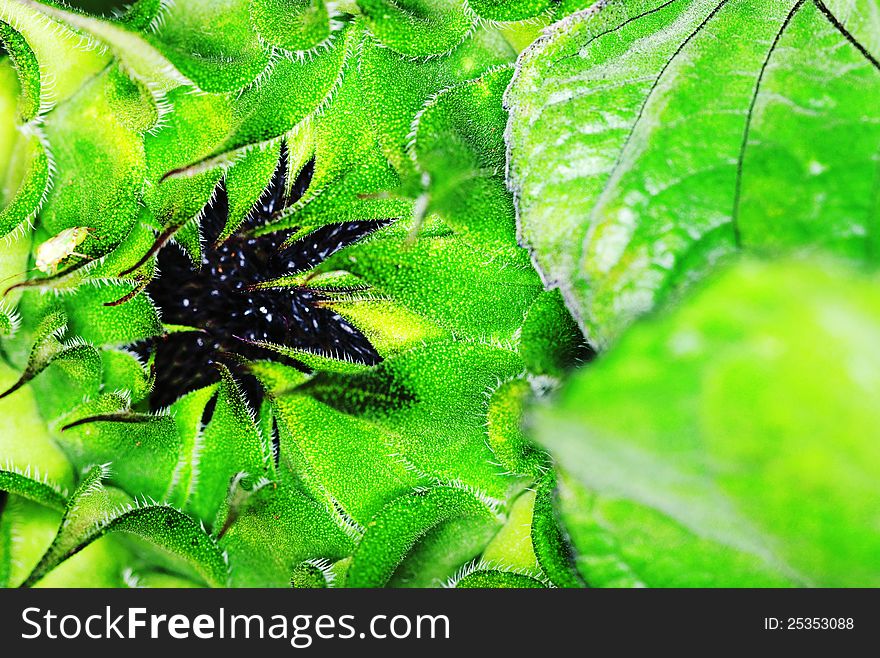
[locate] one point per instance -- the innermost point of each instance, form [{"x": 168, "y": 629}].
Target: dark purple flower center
[{"x": 217, "y": 298}]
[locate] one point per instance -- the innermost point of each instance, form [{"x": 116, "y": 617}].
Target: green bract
[{"x": 635, "y": 146}]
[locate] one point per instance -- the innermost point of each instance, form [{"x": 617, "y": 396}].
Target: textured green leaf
[
  {"x": 293, "y": 91},
  {"x": 66, "y": 58},
  {"x": 390, "y": 327},
  {"x": 650, "y": 139},
  {"x": 342, "y": 457},
  {"x": 698, "y": 484},
  {"x": 194, "y": 130},
  {"x": 444, "y": 279},
  {"x": 550, "y": 342},
  {"x": 312, "y": 575},
  {"x": 379, "y": 97},
  {"x": 349, "y": 172},
  {"x": 100, "y": 564},
  {"x": 276, "y": 378},
  {"x": 418, "y": 27},
  {"x": 509, "y": 10},
  {"x": 9, "y": 320},
  {"x": 495, "y": 578},
  {"x": 77, "y": 359},
  {"x": 317, "y": 361},
  {"x": 92, "y": 319},
  {"x": 292, "y": 25},
  {"x": 188, "y": 413},
  {"x": 6, "y": 548},
  {"x": 513, "y": 450},
  {"x": 401, "y": 524},
  {"x": 83, "y": 513},
  {"x": 210, "y": 44},
  {"x": 25, "y": 181},
  {"x": 101, "y": 159},
  {"x": 178, "y": 534},
  {"x": 143, "y": 447},
  {"x": 412, "y": 394},
  {"x": 458, "y": 147},
  {"x": 396, "y": 87},
  {"x": 124, "y": 371},
  {"x": 511, "y": 548},
  {"x": 95, "y": 510},
  {"x": 125, "y": 258},
  {"x": 141, "y": 14},
  {"x": 37, "y": 489},
  {"x": 280, "y": 528},
  {"x": 27, "y": 67},
  {"x": 246, "y": 181},
  {"x": 441, "y": 552},
  {"x": 551, "y": 547},
  {"x": 861, "y": 20}
]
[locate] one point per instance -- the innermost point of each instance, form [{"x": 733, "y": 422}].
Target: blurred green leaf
[{"x": 716, "y": 445}]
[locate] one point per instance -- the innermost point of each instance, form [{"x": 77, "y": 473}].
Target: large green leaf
[
  {"x": 649, "y": 139},
  {"x": 732, "y": 442}
]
